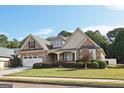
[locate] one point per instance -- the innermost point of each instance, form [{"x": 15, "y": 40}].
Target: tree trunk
[{"x": 85, "y": 65}]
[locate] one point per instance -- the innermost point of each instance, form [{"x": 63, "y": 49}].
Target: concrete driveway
[{"x": 12, "y": 70}]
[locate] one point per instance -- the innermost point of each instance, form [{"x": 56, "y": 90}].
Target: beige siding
[
  {"x": 37, "y": 45},
  {"x": 99, "y": 54},
  {"x": 75, "y": 40}
]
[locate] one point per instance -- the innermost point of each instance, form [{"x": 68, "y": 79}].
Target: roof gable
[
  {"x": 88, "y": 43},
  {"x": 40, "y": 43},
  {"x": 74, "y": 41}
]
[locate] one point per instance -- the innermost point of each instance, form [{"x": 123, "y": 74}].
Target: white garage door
[{"x": 29, "y": 61}]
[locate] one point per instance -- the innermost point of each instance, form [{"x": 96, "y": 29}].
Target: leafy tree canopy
[
  {"x": 3, "y": 40},
  {"x": 117, "y": 46},
  {"x": 50, "y": 38},
  {"x": 65, "y": 33},
  {"x": 114, "y": 33}
]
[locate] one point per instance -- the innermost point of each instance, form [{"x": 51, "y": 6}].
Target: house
[
  {"x": 36, "y": 49},
  {"x": 5, "y": 56}
]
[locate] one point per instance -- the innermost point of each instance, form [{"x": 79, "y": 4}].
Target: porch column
[
  {"x": 75, "y": 57},
  {"x": 58, "y": 57}
]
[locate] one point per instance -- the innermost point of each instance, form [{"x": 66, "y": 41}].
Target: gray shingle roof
[
  {"x": 64, "y": 38},
  {"x": 74, "y": 41},
  {"x": 4, "y": 52}
]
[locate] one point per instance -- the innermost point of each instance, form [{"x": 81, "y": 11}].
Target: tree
[
  {"x": 117, "y": 46},
  {"x": 85, "y": 56},
  {"x": 116, "y": 38},
  {"x": 99, "y": 39},
  {"x": 50, "y": 38},
  {"x": 3, "y": 40},
  {"x": 15, "y": 62},
  {"x": 114, "y": 33},
  {"x": 14, "y": 44},
  {"x": 65, "y": 33}
]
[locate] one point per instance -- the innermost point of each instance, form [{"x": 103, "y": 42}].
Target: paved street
[
  {"x": 30, "y": 85},
  {"x": 12, "y": 70}
]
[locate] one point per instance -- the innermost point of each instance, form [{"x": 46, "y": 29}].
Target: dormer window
[{"x": 31, "y": 44}]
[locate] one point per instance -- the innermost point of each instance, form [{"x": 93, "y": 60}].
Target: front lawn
[{"x": 109, "y": 73}]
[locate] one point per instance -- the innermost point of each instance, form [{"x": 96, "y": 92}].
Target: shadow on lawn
[{"x": 118, "y": 66}]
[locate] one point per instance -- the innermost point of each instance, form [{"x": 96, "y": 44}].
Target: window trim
[
  {"x": 32, "y": 44},
  {"x": 68, "y": 56}
]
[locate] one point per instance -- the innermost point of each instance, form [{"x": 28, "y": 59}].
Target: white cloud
[
  {"x": 116, "y": 7},
  {"x": 44, "y": 31},
  {"x": 21, "y": 38},
  {"x": 4, "y": 33},
  {"x": 102, "y": 28}
]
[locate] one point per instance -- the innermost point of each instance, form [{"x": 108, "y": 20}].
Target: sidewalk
[{"x": 66, "y": 79}]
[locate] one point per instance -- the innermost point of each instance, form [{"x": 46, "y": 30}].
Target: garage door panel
[{"x": 31, "y": 61}]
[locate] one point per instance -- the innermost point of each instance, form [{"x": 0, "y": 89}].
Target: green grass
[
  {"x": 65, "y": 82},
  {"x": 109, "y": 73}
]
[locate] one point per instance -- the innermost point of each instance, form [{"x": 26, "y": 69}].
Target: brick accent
[{"x": 88, "y": 42}]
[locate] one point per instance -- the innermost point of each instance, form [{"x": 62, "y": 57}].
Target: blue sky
[{"x": 19, "y": 21}]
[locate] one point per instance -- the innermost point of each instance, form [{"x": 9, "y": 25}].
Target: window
[
  {"x": 31, "y": 44},
  {"x": 68, "y": 56},
  {"x": 25, "y": 57},
  {"x": 35, "y": 57},
  {"x": 39, "y": 56},
  {"x": 30, "y": 57},
  {"x": 57, "y": 43}
]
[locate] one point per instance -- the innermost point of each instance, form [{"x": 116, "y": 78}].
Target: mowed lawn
[{"x": 109, "y": 73}]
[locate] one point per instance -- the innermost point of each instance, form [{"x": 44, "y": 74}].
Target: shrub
[
  {"x": 89, "y": 64},
  {"x": 56, "y": 64},
  {"x": 47, "y": 65},
  {"x": 37, "y": 65},
  {"x": 68, "y": 64},
  {"x": 102, "y": 64},
  {"x": 94, "y": 65},
  {"x": 79, "y": 60},
  {"x": 80, "y": 64},
  {"x": 15, "y": 62},
  {"x": 93, "y": 60}
]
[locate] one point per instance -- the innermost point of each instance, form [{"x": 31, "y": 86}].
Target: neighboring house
[
  {"x": 36, "y": 49},
  {"x": 5, "y": 56}
]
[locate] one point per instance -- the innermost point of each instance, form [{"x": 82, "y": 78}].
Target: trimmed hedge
[
  {"x": 94, "y": 65},
  {"x": 69, "y": 64},
  {"x": 47, "y": 65},
  {"x": 102, "y": 64},
  {"x": 80, "y": 65},
  {"x": 56, "y": 64},
  {"x": 37, "y": 65}
]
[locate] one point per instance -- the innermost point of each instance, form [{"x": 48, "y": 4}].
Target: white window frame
[{"x": 68, "y": 56}]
